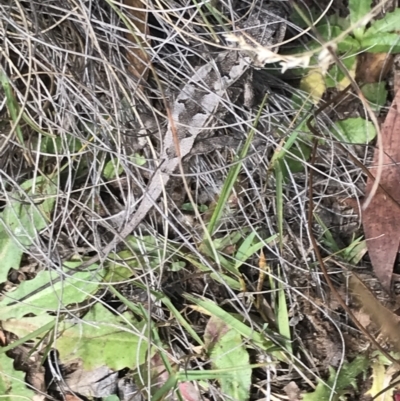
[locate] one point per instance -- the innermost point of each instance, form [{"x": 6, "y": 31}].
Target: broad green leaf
[
  {"x": 230, "y": 239},
  {"x": 146, "y": 244},
  {"x": 383, "y": 43},
  {"x": 345, "y": 380},
  {"x": 341, "y": 22},
  {"x": 103, "y": 338},
  {"x": 291, "y": 163},
  {"x": 358, "y": 10},
  {"x": 112, "y": 169},
  {"x": 389, "y": 23},
  {"x": 21, "y": 221},
  {"x": 354, "y": 130},
  {"x": 70, "y": 290},
  {"x": 60, "y": 146},
  {"x": 226, "y": 351},
  {"x": 329, "y": 32},
  {"x": 376, "y": 93},
  {"x": 111, "y": 398},
  {"x": 12, "y": 382},
  {"x": 138, "y": 159}
]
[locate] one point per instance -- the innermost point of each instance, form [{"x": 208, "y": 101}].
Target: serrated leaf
[
  {"x": 384, "y": 43},
  {"x": 344, "y": 381},
  {"x": 355, "y": 130},
  {"x": 102, "y": 338},
  {"x": 358, "y": 10},
  {"x": 389, "y": 23},
  {"x": 12, "y": 382},
  {"x": 71, "y": 289},
  {"x": 381, "y": 378},
  {"x": 226, "y": 350},
  {"x": 21, "y": 221}
]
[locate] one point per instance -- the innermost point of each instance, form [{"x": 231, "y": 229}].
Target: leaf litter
[
  {"x": 381, "y": 220},
  {"x": 99, "y": 342}
]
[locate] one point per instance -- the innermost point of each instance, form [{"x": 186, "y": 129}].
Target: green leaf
[
  {"x": 329, "y": 32},
  {"x": 355, "y": 251},
  {"x": 60, "y": 146},
  {"x": 376, "y": 94},
  {"x": 226, "y": 351},
  {"x": 346, "y": 379},
  {"x": 358, "y": 10},
  {"x": 355, "y": 130},
  {"x": 12, "y": 382},
  {"x": 341, "y": 22},
  {"x": 335, "y": 74},
  {"x": 385, "y": 43},
  {"x": 310, "y": 14},
  {"x": 71, "y": 289},
  {"x": 102, "y": 338},
  {"x": 327, "y": 237},
  {"x": 248, "y": 248},
  {"x": 21, "y": 220},
  {"x": 389, "y": 23},
  {"x": 188, "y": 207},
  {"x": 112, "y": 169},
  {"x": 283, "y": 317},
  {"x": 279, "y": 200},
  {"x": 292, "y": 164},
  {"x": 247, "y": 332}
]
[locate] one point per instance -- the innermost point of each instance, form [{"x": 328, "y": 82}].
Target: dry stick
[{"x": 314, "y": 241}]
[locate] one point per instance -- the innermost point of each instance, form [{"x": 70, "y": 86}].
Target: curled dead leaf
[
  {"x": 385, "y": 320},
  {"x": 381, "y": 219}
]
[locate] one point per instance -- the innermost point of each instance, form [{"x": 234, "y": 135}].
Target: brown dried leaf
[
  {"x": 385, "y": 320},
  {"x": 100, "y": 382},
  {"x": 138, "y": 58},
  {"x": 292, "y": 391},
  {"x": 396, "y": 73},
  {"x": 381, "y": 220},
  {"x": 373, "y": 67}
]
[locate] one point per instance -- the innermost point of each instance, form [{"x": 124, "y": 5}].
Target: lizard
[{"x": 192, "y": 111}]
